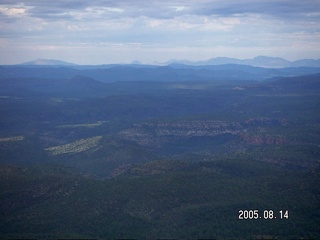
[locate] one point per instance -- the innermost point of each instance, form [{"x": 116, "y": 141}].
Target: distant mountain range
[
  {"x": 260, "y": 61},
  {"x": 135, "y": 72}
]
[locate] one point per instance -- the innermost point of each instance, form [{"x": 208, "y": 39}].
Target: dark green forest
[{"x": 164, "y": 153}]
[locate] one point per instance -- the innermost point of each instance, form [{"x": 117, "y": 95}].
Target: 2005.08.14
[{"x": 267, "y": 214}]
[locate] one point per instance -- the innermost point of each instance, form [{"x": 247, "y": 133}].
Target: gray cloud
[
  {"x": 178, "y": 24},
  {"x": 279, "y": 8},
  {"x": 170, "y": 9}
]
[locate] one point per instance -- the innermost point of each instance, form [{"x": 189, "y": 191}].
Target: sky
[{"x": 150, "y": 31}]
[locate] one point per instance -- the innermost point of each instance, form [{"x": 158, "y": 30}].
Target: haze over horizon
[{"x": 103, "y": 32}]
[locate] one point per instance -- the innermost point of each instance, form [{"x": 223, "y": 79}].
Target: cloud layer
[{"x": 100, "y": 31}]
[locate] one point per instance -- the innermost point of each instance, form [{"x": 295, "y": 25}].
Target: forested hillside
[{"x": 173, "y": 158}]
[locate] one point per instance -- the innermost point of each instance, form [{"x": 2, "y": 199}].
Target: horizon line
[{"x": 155, "y": 63}]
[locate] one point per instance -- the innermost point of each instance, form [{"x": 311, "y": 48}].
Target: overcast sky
[{"x": 104, "y": 31}]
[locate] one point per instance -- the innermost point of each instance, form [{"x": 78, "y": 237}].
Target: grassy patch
[{"x": 75, "y": 147}]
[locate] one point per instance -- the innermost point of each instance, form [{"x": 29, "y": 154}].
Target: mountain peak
[
  {"x": 267, "y": 58},
  {"x": 51, "y": 62},
  {"x": 273, "y": 62}
]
